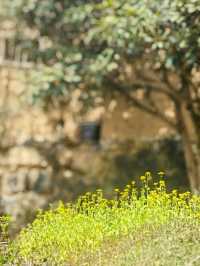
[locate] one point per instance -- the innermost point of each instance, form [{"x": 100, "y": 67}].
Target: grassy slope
[
  {"x": 177, "y": 243},
  {"x": 155, "y": 228}
]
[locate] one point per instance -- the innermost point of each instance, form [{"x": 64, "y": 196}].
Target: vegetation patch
[
  {"x": 137, "y": 225},
  {"x": 174, "y": 243}
]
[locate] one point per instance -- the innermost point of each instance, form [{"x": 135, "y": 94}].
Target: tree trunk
[{"x": 190, "y": 139}]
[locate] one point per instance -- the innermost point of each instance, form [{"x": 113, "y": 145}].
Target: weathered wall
[{"x": 41, "y": 161}]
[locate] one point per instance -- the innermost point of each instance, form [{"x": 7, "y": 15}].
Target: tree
[{"x": 124, "y": 46}]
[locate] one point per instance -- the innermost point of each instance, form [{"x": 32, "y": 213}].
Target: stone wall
[{"x": 42, "y": 161}]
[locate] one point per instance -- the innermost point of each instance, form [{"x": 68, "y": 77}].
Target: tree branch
[
  {"x": 163, "y": 85},
  {"x": 154, "y": 86},
  {"x": 152, "y": 111},
  {"x": 124, "y": 90}
]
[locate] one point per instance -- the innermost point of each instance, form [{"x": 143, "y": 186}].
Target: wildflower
[
  {"x": 162, "y": 183},
  {"x": 161, "y": 174},
  {"x": 143, "y": 178},
  {"x": 133, "y": 183},
  {"x": 148, "y": 176}
]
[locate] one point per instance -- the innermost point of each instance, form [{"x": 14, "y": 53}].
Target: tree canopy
[
  {"x": 91, "y": 41},
  {"x": 122, "y": 46}
]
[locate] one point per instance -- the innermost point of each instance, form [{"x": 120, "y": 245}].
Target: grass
[
  {"x": 146, "y": 226},
  {"x": 175, "y": 243}
]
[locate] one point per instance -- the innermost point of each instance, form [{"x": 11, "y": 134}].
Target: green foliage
[
  {"x": 4, "y": 224},
  {"x": 92, "y": 40},
  {"x": 4, "y": 239},
  {"x": 68, "y": 233},
  {"x": 116, "y": 167}
]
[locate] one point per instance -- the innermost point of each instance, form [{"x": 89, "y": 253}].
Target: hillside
[{"x": 146, "y": 226}]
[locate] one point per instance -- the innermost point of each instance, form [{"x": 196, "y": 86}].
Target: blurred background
[{"x": 55, "y": 147}]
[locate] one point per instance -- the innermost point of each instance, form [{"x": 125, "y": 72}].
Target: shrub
[{"x": 70, "y": 231}]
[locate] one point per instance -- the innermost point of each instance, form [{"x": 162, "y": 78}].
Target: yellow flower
[
  {"x": 142, "y": 178},
  {"x": 148, "y": 176},
  {"x": 161, "y": 174},
  {"x": 133, "y": 183}
]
